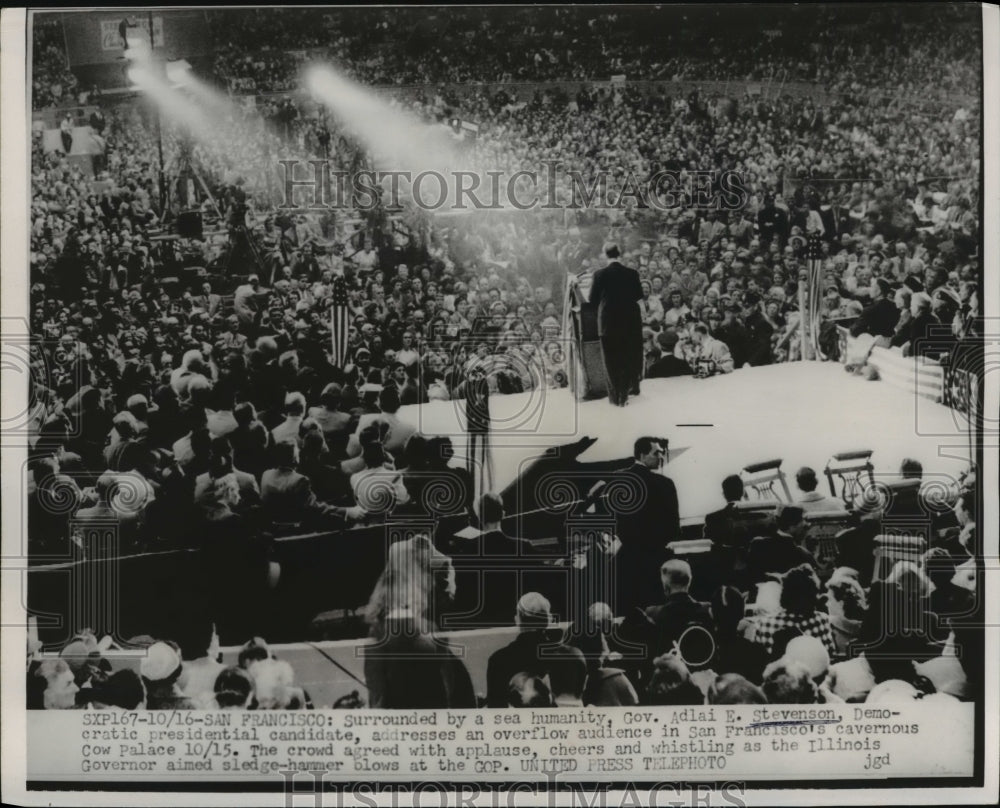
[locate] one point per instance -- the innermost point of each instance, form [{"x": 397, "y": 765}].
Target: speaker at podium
[{"x": 586, "y": 372}]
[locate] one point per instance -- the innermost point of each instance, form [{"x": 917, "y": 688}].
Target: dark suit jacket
[
  {"x": 667, "y": 366},
  {"x": 738, "y": 340},
  {"x": 776, "y": 554},
  {"x": 287, "y": 496},
  {"x": 657, "y": 521},
  {"x": 720, "y": 525},
  {"x": 759, "y": 333},
  {"x": 616, "y": 291},
  {"x": 523, "y": 655},
  {"x": 879, "y": 319},
  {"x": 918, "y": 333},
  {"x": 409, "y": 669},
  {"x": 498, "y": 543},
  {"x": 672, "y": 617}
]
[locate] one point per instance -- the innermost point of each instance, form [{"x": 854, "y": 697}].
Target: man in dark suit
[
  {"x": 616, "y": 293},
  {"x": 668, "y": 365},
  {"x": 536, "y": 647},
  {"x": 772, "y": 221},
  {"x": 647, "y": 517},
  {"x": 679, "y": 611},
  {"x": 493, "y": 541},
  {"x": 732, "y": 332},
  {"x": 759, "y": 332},
  {"x": 721, "y": 525},
  {"x": 781, "y": 551},
  {"x": 880, "y": 318},
  {"x": 287, "y": 496}
]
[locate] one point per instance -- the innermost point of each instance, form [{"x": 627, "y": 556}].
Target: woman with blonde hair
[{"x": 408, "y": 665}]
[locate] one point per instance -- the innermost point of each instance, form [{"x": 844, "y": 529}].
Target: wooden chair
[
  {"x": 821, "y": 537},
  {"x": 690, "y": 547},
  {"x": 891, "y": 549},
  {"x": 849, "y": 468},
  {"x": 761, "y": 477}
]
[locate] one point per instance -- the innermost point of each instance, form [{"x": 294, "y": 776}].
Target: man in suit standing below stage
[
  {"x": 616, "y": 292},
  {"x": 644, "y": 505}
]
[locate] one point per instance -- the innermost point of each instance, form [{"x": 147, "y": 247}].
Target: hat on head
[{"x": 667, "y": 340}]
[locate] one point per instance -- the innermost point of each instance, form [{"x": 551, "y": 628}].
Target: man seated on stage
[
  {"x": 668, "y": 364},
  {"x": 721, "y": 525},
  {"x": 812, "y": 500}
]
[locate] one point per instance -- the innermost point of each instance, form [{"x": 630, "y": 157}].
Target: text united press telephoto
[{"x": 573, "y": 404}]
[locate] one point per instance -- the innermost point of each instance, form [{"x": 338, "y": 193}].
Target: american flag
[
  {"x": 960, "y": 389},
  {"x": 814, "y": 257},
  {"x": 814, "y": 267},
  {"x": 340, "y": 322}
]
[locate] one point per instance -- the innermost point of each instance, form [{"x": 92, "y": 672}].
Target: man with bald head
[
  {"x": 679, "y": 611},
  {"x": 535, "y": 649}
]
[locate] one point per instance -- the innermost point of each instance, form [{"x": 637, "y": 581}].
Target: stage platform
[{"x": 801, "y": 412}]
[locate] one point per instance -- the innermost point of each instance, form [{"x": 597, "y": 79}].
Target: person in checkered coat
[{"x": 800, "y": 613}]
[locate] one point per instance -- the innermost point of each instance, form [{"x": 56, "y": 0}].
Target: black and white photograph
[{"x": 495, "y": 405}]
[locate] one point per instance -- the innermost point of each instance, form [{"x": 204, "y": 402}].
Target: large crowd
[
  {"x": 780, "y": 624},
  {"x": 177, "y": 386}
]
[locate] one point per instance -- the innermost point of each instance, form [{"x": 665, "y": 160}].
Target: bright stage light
[
  {"x": 396, "y": 139},
  {"x": 137, "y": 45},
  {"x": 178, "y": 72}
]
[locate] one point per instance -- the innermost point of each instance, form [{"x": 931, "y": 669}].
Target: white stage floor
[{"x": 802, "y": 413}]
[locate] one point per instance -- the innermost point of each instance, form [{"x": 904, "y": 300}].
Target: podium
[{"x": 585, "y": 366}]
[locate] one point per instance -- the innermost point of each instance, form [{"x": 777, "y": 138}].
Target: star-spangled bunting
[{"x": 339, "y": 322}]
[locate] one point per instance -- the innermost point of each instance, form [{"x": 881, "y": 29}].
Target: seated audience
[
  {"x": 812, "y": 501},
  {"x": 781, "y": 551},
  {"x": 530, "y": 652},
  {"x": 800, "y": 611},
  {"x": 671, "y": 684},
  {"x": 525, "y": 690}
]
